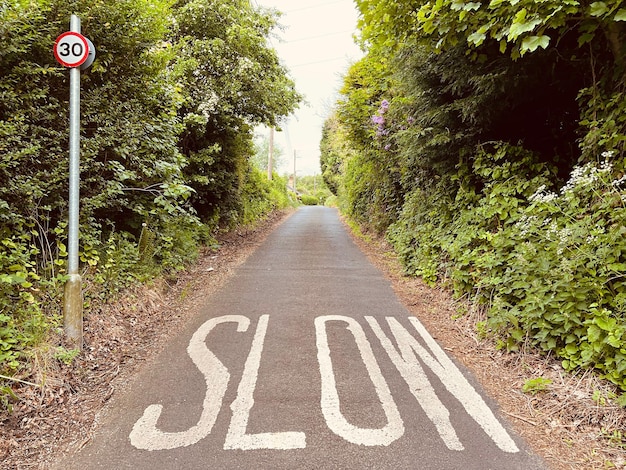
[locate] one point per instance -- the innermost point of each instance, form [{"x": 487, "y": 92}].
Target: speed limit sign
[{"x": 71, "y": 49}]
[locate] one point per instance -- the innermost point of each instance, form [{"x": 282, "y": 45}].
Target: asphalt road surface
[{"x": 305, "y": 359}]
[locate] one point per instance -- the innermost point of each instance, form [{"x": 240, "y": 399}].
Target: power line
[
  {"x": 316, "y": 6},
  {"x": 336, "y": 33},
  {"x": 319, "y": 62}
]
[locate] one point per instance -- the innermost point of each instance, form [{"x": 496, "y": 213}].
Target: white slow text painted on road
[{"x": 407, "y": 358}]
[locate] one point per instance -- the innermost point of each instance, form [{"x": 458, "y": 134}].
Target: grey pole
[
  {"x": 270, "y": 154},
  {"x": 73, "y": 302}
]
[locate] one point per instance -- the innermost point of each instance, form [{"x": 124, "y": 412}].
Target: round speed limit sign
[{"x": 71, "y": 49}]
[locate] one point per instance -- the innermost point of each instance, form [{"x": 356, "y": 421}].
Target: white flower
[{"x": 619, "y": 181}]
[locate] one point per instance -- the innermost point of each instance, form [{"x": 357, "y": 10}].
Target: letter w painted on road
[{"x": 451, "y": 377}]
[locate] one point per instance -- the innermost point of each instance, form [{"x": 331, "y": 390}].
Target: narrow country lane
[{"x": 304, "y": 360}]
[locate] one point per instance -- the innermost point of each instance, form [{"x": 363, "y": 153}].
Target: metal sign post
[{"x": 72, "y": 50}]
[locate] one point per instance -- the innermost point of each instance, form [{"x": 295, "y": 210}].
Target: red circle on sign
[{"x": 71, "y": 49}]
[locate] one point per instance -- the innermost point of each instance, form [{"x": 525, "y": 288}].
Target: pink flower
[{"x": 378, "y": 120}]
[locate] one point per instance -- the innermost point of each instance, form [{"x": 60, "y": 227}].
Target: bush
[
  {"x": 564, "y": 288},
  {"x": 308, "y": 200},
  {"x": 549, "y": 267}
]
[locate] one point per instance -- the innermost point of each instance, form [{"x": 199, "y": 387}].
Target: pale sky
[{"x": 317, "y": 47}]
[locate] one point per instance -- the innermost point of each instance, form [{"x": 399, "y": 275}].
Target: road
[{"x": 305, "y": 359}]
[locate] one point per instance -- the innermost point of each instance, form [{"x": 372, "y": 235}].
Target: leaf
[
  {"x": 607, "y": 324},
  {"x": 18, "y": 278},
  {"x": 613, "y": 341},
  {"x": 535, "y": 385},
  {"x": 476, "y": 38},
  {"x": 571, "y": 349},
  {"x": 620, "y": 15},
  {"x": 518, "y": 28},
  {"x": 471, "y": 6},
  {"x": 598, "y": 9},
  {"x": 457, "y": 5},
  {"x": 585, "y": 38},
  {"x": 531, "y": 43}
]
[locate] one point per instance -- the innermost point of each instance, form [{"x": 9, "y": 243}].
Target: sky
[{"x": 317, "y": 47}]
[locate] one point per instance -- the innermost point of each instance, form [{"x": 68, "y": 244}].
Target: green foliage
[
  {"x": 309, "y": 200},
  {"x": 572, "y": 300},
  {"x": 536, "y": 385},
  {"x": 7, "y": 397},
  {"x": 521, "y": 25},
  {"x": 621, "y": 400},
  {"x": 332, "y": 201},
  {"x": 167, "y": 112},
  {"x": 22, "y": 322},
  {"x": 220, "y": 109},
  {"x": 334, "y": 150},
  {"x": 452, "y": 134},
  {"x": 66, "y": 356},
  {"x": 615, "y": 437},
  {"x": 370, "y": 189},
  {"x": 313, "y": 190},
  {"x": 548, "y": 266},
  {"x": 261, "y": 196}
]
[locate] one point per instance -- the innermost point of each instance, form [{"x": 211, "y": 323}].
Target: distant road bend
[{"x": 305, "y": 359}]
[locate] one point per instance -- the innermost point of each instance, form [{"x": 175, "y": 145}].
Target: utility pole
[
  {"x": 294, "y": 171},
  {"x": 270, "y": 155}
]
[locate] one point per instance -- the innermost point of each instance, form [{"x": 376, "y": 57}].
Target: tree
[
  {"x": 519, "y": 28},
  {"x": 129, "y": 156},
  {"x": 231, "y": 81},
  {"x": 167, "y": 111}
]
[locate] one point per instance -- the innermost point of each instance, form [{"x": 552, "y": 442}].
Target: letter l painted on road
[{"x": 237, "y": 438}]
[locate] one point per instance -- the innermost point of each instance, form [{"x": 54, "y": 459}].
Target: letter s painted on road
[{"x": 145, "y": 434}]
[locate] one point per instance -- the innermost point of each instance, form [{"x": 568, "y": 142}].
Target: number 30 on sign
[{"x": 71, "y": 49}]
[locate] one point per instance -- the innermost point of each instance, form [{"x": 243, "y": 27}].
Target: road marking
[
  {"x": 331, "y": 409},
  {"x": 420, "y": 387},
  {"x": 145, "y": 434},
  {"x": 237, "y": 437},
  {"x": 451, "y": 377},
  {"x": 406, "y": 357}
]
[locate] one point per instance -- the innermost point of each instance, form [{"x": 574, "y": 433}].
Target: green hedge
[{"x": 550, "y": 266}]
